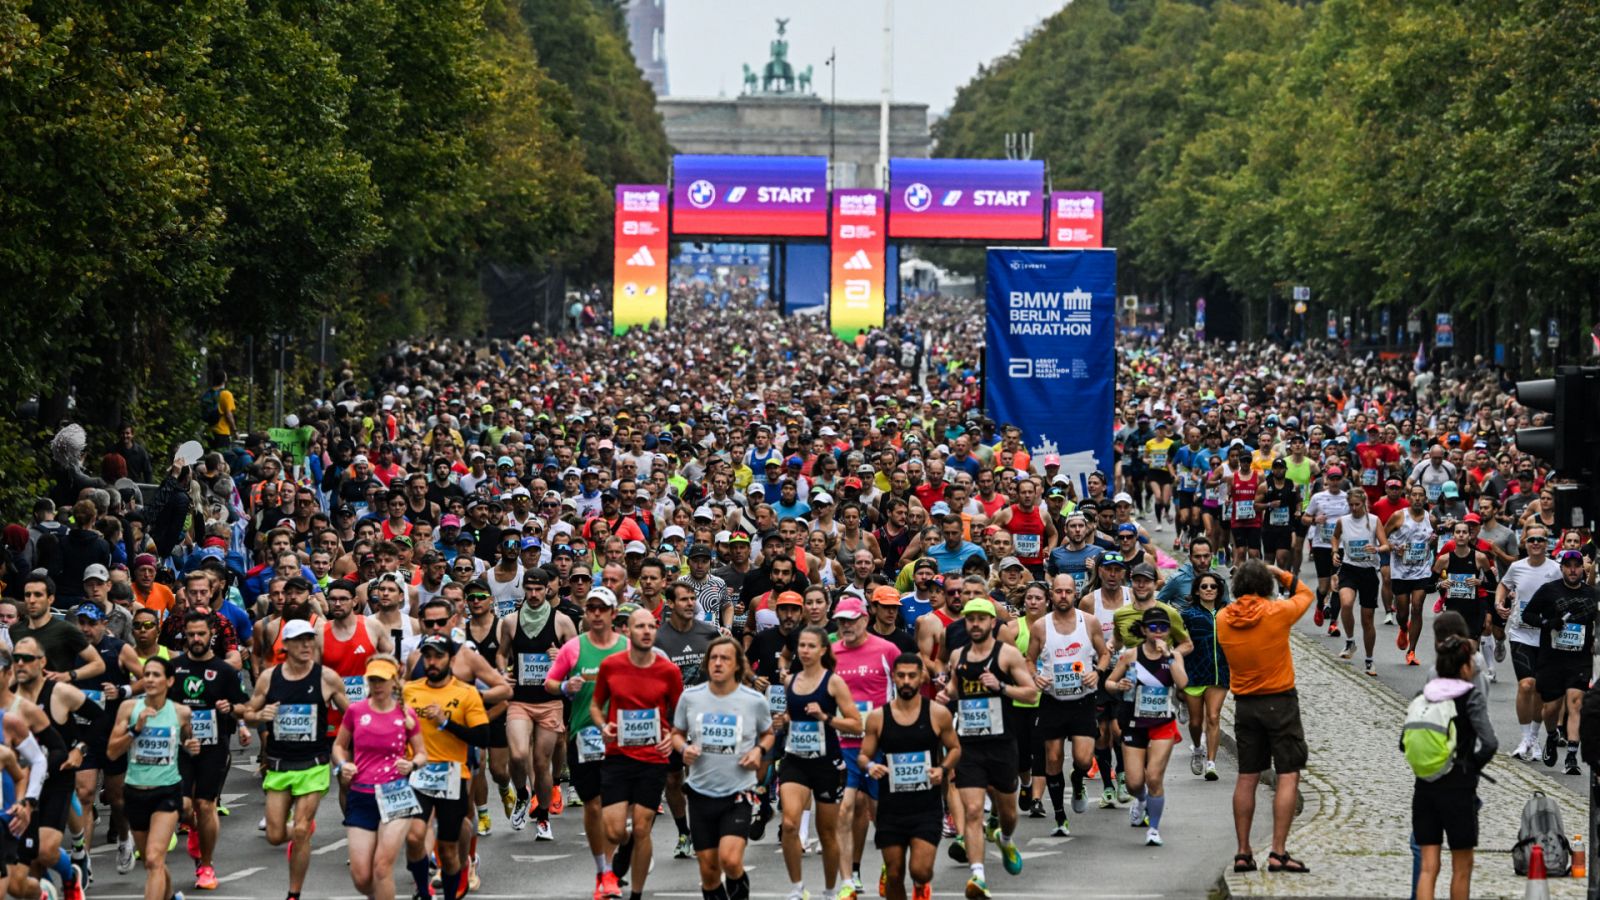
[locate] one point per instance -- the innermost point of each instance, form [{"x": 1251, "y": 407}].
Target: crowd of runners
[{"x": 759, "y": 581}]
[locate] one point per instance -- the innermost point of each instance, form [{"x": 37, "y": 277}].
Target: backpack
[
  {"x": 1541, "y": 824},
  {"x": 210, "y": 407},
  {"x": 1429, "y": 737}
]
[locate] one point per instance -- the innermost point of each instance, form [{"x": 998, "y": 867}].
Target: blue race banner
[{"x": 1050, "y": 362}]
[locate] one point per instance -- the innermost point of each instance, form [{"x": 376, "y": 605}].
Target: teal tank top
[{"x": 153, "y": 758}]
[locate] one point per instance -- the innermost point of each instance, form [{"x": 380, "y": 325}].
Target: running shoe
[
  {"x": 1551, "y": 744},
  {"x": 948, "y": 831},
  {"x": 1062, "y": 829},
  {"x": 262, "y": 825},
  {"x": 977, "y": 889},
  {"x": 1388, "y": 619},
  {"x": 1036, "y": 809},
  {"x": 991, "y": 830},
  {"x": 1370, "y": 668},
  {"x": 172, "y": 843},
  {"x": 1348, "y": 651},
  {"x": 1211, "y": 770},
  {"x": 1122, "y": 789},
  {"x": 1402, "y": 640},
  {"x": 1108, "y": 799},
  {"x": 922, "y": 892},
  {"x": 1524, "y": 749},
  {"x": 1333, "y": 629},
  {"x": 519, "y": 815},
  {"x": 812, "y": 846},
  {"x": 558, "y": 801},
  {"x": 1011, "y": 857},
  {"x": 607, "y": 887},
  {"x": 1572, "y": 763},
  {"x": 508, "y": 799},
  {"x": 473, "y": 881},
  {"x": 205, "y": 878},
  {"x": 1080, "y": 799},
  {"x": 847, "y": 891},
  {"x": 1152, "y": 838},
  {"x": 1136, "y": 814},
  {"x": 1197, "y": 760},
  {"x": 1317, "y": 617},
  {"x": 958, "y": 849},
  {"x": 798, "y": 893},
  {"x": 49, "y": 891},
  {"x": 542, "y": 831},
  {"x": 1438, "y": 605},
  {"x": 73, "y": 890},
  {"x": 194, "y": 844},
  {"x": 223, "y": 810},
  {"x": 883, "y": 880},
  {"x": 683, "y": 850},
  {"x": 1499, "y": 651},
  {"x": 125, "y": 855},
  {"x": 1411, "y": 658},
  {"x": 1493, "y": 678}
]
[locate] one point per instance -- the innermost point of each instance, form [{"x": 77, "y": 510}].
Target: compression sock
[
  {"x": 1116, "y": 750},
  {"x": 1102, "y": 755},
  {"x": 683, "y": 824},
  {"x": 63, "y": 866},
  {"x": 1153, "y": 807},
  {"x": 1057, "y": 786},
  {"x": 449, "y": 884},
  {"x": 622, "y": 858},
  {"x": 805, "y": 826},
  {"x": 716, "y": 893},
  {"x": 739, "y": 888},
  {"x": 419, "y": 874},
  {"x": 636, "y": 895},
  {"x": 601, "y": 864}
]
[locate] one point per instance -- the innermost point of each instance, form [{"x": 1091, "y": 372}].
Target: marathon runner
[
  {"x": 152, "y": 731},
  {"x": 454, "y": 720},
  {"x": 911, "y": 747},
  {"x": 108, "y": 690},
  {"x": 1522, "y": 580},
  {"x": 528, "y": 642},
  {"x": 378, "y": 745},
  {"x": 1147, "y": 676},
  {"x": 817, "y": 706},
  {"x": 864, "y": 662},
  {"x": 1412, "y": 536},
  {"x": 1068, "y": 652},
  {"x": 211, "y": 689},
  {"x": 1565, "y": 613},
  {"x": 1358, "y": 540},
  {"x": 684, "y": 638}
]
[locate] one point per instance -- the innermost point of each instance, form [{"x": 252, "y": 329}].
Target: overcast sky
[{"x": 938, "y": 44}]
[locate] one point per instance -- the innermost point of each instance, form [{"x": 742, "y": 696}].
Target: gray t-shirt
[
  {"x": 687, "y": 649},
  {"x": 725, "y": 728}
]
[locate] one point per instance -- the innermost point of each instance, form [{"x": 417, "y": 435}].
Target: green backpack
[{"x": 1429, "y": 737}]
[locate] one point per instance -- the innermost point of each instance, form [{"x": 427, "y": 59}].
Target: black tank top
[
  {"x": 530, "y": 662},
  {"x": 976, "y": 704},
  {"x": 299, "y": 734},
  {"x": 489, "y": 647},
  {"x": 797, "y": 712},
  {"x": 1454, "y": 565},
  {"x": 1280, "y": 517},
  {"x": 896, "y": 739}
]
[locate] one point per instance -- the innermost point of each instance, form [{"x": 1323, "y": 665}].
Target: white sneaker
[
  {"x": 799, "y": 893},
  {"x": 125, "y": 855},
  {"x": 519, "y": 815},
  {"x": 262, "y": 825},
  {"x": 1136, "y": 814},
  {"x": 1152, "y": 838},
  {"x": 1211, "y": 770},
  {"x": 542, "y": 832},
  {"x": 1197, "y": 759},
  {"x": 1388, "y": 619},
  {"x": 812, "y": 846}
]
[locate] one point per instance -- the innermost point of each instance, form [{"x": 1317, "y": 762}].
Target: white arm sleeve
[{"x": 38, "y": 767}]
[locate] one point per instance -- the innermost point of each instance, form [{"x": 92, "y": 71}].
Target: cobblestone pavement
[{"x": 1357, "y": 789}]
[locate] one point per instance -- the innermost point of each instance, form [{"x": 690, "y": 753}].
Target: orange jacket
[{"x": 1254, "y": 634}]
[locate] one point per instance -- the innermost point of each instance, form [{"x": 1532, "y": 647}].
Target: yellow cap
[{"x": 382, "y": 668}]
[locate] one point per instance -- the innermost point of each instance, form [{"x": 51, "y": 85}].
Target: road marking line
[
  {"x": 242, "y": 873},
  {"x": 336, "y": 845}
]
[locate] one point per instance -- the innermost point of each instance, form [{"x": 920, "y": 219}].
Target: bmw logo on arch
[
  {"x": 702, "y": 194},
  {"x": 918, "y": 197}
]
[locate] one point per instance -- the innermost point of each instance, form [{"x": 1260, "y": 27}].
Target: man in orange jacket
[{"x": 1254, "y": 634}]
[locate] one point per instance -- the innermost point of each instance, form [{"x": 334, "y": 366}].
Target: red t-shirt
[
  {"x": 622, "y": 686},
  {"x": 929, "y": 494},
  {"x": 1384, "y": 509},
  {"x": 1373, "y": 457}
]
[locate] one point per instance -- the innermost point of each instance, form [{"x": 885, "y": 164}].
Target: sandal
[
  {"x": 1283, "y": 862},
  {"x": 1244, "y": 862}
]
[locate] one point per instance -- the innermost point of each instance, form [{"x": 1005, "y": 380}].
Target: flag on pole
[{"x": 1421, "y": 360}]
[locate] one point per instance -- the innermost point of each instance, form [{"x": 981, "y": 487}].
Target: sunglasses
[
  {"x": 1156, "y": 627},
  {"x": 140, "y": 626},
  {"x": 1538, "y": 540},
  {"x": 435, "y": 623},
  {"x": 25, "y": 658},
  {"x": 1208, "y": 587}
]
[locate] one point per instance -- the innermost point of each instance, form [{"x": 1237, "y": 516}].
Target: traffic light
[{"x": 1572, "y": 442}]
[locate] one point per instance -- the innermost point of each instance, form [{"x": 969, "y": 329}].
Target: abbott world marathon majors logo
[
  {"x": 1051, "y": 313},
  {"x": 702, "y": 194}
]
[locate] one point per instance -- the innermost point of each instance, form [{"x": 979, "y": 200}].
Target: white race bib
[
  {"x": 504, "y": 606},
  {"x": 980, "y": 717},
  {"x": 777, "y": 699},
  {"x": 532, "y": 669},
  {"x": 638, "y": 727},
  {"x": 203, "y": 722},
  {"x": 294, "y": 722},
  {"x": 154, "y": 746},
  {"x": 1152, "y": 702},
  {"x": 1027, "y": 544},
  {"x": 438, "y": 779},
  {"x": 1570, "y": 637},
  {"x": 1416, "y": 552},
  {"x": 396, "y": 800},
  {"x": 1359, "y": 551},
  {"x": 1244, "y": 509},
  {"x": 908, "y": 772},
  {"x": 805, "y": 739},
  {"x": 1459, "y": 588},
  {"x": 1066, "y": 678},
  {"x": 1369, "y": 477},
  {"x": 355, "y": 688},
  {"x": 1278, "y": 517},
  {"x": 719, "y": 733},
  {"x": 591, "y": 745}
]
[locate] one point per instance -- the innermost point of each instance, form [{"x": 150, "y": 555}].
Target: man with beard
[
  {"x": 780, "y": 576},
  {"x": 297, "y": 607},
  {"x": 349, "y": 639},
  {"x": 211, "y": 690},
  {"x": 1068, "y": 650},
  {"x": 108, "y": 690},
  {"x": 527, "y": 643},
  {"x": 910, "y": 746},
  {"x": 711, "y": 592},
  {"x": 456, "y": 720},
  {"x": 684, "y": 639}
]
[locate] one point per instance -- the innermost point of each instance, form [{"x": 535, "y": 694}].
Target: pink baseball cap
[
  {"x": 1052, "y": 460},
  {"x": 849, "y": 608}
]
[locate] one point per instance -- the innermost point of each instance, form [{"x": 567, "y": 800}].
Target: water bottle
[{"x": 1580, "y": 858}]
